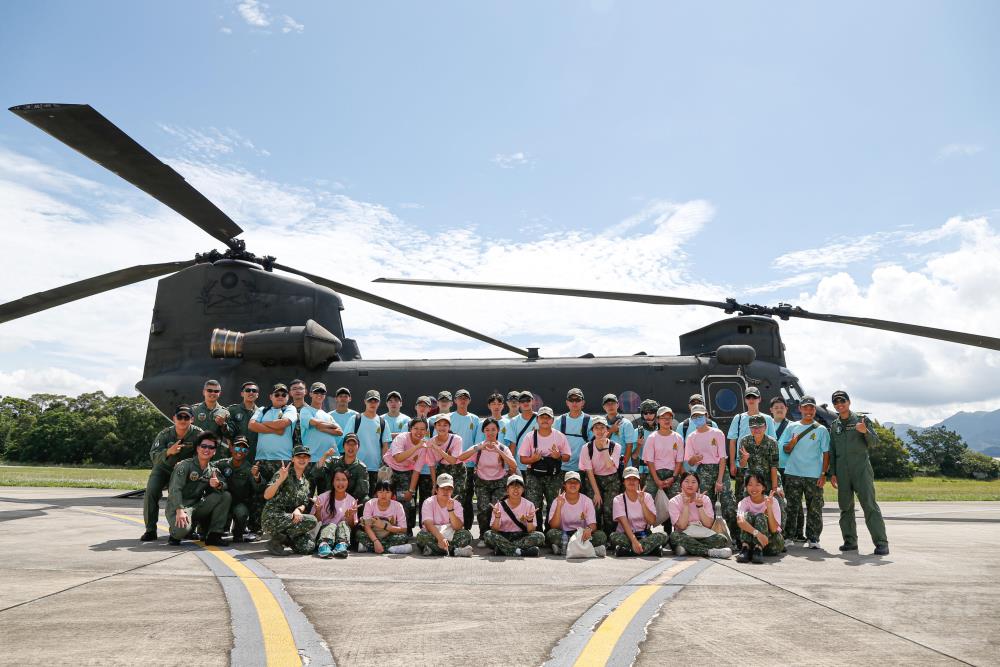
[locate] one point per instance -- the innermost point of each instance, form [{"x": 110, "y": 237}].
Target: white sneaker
[
  {"x": 724, "y": 552},
  {"x": 601, "y": 551},
  {"x": 400, "y": 549},
  {"x": 557, "y": 550},
  {"x": 362, "y": 548},
  {"x": 813, "y": 544},
  {"x": 463, "y": 552},
  {"x": 481, "y": 544},
  {"x": 517, "y": 552},
  {"x": 680, "y": 551}
]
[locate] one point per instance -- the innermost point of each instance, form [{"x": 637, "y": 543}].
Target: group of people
[{"x": 334, "y": 481}]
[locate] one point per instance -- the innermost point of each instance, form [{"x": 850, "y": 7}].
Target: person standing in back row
[
  {"x": 212, "y": 417},
  {"x": 850, "y": 439},
  {"x": 575, "y": 425},
  {"x": 525, "y": 421},
  {"x": 171, "y": 446},
  {"x": 465, "y": 425},
  {"x": 373, "y": 435},
  {"x": 739, "y": 429},
  {"x": 544, "y": 452}
]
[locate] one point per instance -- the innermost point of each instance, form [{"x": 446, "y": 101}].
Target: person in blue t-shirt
[
  {"x": 319, "y": 430},
  {"x": 465, "y": 425},
  {"x": 526, "y": 420},
  {"x": 373, "y": 434},
  {"x": 575, "y": 425},
  {"x": 343, "y": 414},
  {"x": 620, "y": 430},
  {"x": 807, "y": 446},
  {"x": 396, "y": 421},
  {"x": 274, "y": 426}
]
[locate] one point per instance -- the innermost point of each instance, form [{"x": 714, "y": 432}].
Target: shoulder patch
[{"x": 193, "y": 476}]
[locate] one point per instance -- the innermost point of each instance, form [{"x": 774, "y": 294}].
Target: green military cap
[
  {"x": 343, "y": 390},
  {"x": 426, "y": 400},
  {"x": 392, "y": 394},
  {"x": 807, "y": 400},
  {"x": 649, "y": 405},
  {"x": 279, "y": 387},
  {"x": 752, "y": 391},
  {"x": 183, "y": 410},
  {"x": 352, "y": 436},
  {"x": 372, "y": 395},
  {"x": 609, "y": 397},
  {"x": 463, "y": 392},
  {"x": 696, "y": 398},
  {"x": 525, "y": 395},
  {"x": 317, "y": 385},
  {"x": 299, "y": 450},
  {"x": 444, "y": 395},
  {"x": 757, "y": 420},
  {"x": 575, "y": 392},
  {"x": 239, "y": 440},
  {"x": 513, "y": 395}
]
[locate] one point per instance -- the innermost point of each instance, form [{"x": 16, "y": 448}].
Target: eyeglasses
[
  {"x": 183, "y": 418},
  {"x": 649, "y": 412},
  {"x": 214, "y": 391},
  {"x": 204, "y": 446},
  {"x": 251, "y": 391},
  {"x": 280, "y": 393}
]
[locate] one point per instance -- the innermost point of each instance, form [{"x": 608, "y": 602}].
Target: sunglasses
[
  {"x": 251, "y": 391},
  {"x": 524, "y": 400},
  {"x": 183, "y": 418},
  {"x": 280, "y": 393},
  {"x": 649, "y": 412},
  {"x": 204, "y": 446},
  {"x": 319, "y": 391},
  {"x": 839, "y": 400},
  {"x": 237, "y": 448},
  {"x": 575, "y": 400},
  {"x": 214, "y": 391}
]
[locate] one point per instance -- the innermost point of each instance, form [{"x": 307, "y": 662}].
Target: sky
[{"x": 842, "y": 157}]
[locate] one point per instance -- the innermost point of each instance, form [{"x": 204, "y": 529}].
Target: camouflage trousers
[
  {"x": 795, "y": 488},
  {"x": 782, "y": 503},
  {"x": 649, "y": 542},
  {"x": 334, "y": 533},
  {"x": 609, "y": 486},
  {"x": 775, "y": 543},
  {"x": 425, "y": 540},
  {"x": 785, "y": 520},
  {"x": 697, "y": 546},
  {"x": 267, "y": 470},
  {"x": 488, "y": 493},
  {"x": 401, "y": 483},
  {"x": 671, "y": 491},
  {"x": 299, "y": 536},
  {"x": 542, "y": 490},
  {"x": 558, "y": 537},
  {"x": 390, "y": 540},
  {"x": 707, "y": 474},
  {"x": 212, "y": 510},
  {"x": 425, "y": 489},
  {"x": 508, "y": 543}
]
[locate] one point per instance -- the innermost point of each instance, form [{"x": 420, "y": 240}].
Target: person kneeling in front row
[
  {"x": 198, "y": 494},
  {"x": 570, "y": 512},
  {"x": 512, "y": 531},
  {"x": 692, "y": 516},
  {"x": 443, "y": 530},
  {"x": 635, "y": 513},
  {"x": 759, "y": 519},
  {"x": 284, "y": 517},
  {"x": 383, "y": 527}
]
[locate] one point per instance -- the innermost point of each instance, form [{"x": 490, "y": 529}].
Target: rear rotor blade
[
  {"x": 40, "y": 301},
  {"x": 82, "y": 128},
  {"x": 561, "y": 291},
  {"x": 975, "y": 340},
  {"x": 400, "y": 308}
]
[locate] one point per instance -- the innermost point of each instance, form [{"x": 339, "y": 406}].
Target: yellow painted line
[
  {"x": 598, "y": 650},
  {"x": 279, "y": 645}
]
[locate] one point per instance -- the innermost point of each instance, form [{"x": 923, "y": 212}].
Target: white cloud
[
  {"x": 225, "y": 30},
  {"x": 211, "y": 142},
  {"x": 291, "y": 25},
  {"x": 100, "y": 342},
  {"x": 254, "y": 13},
  {"x": 960, "y": 150},
  {"x": 511, "y": 160},
  {"x": 410, "y": 205}
]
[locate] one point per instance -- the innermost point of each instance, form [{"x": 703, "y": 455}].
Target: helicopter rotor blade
[
  {"x": 561, "y": 291},
  {"x": 34, "y": 303},
  {"x": 400, "y": 308},
  {"x": 83, "y": 129}
]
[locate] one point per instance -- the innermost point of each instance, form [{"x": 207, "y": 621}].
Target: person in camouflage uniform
[
  {"x": 851, "y": 436},
  {"x": 644, "y": 425},
  {"x": 357, "y": 471},
  {"x": 602, "y": 455},
  {"x": 506, "y": 536},
  {"x": 564, "y": 521},
  {"x": 198, "y": 494},
  {"x": 170, "y": 446},
  {"x": 634, "y": 534},
  {"x": 212, "y": 417},
  {"x": 284, "y": 517},
  {"x": 244, "y": 483},
  {"x": 759, "y": 453},
  {"x": 807, "y": 444},
  {"x": 689, "y": 507},
  {"x": 404, "y": 458},
  {"x": 759, "y": 520},
  {"x": 705, "y": 453},
  {"x": 442, "y": 510},
  {"x": 544, "y": 451},
  {"x": 240, "y": 414}
]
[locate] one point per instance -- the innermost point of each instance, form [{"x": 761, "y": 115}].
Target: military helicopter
[{"x": 228, "y": 315}]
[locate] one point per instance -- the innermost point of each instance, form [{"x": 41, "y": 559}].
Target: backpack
[
  {"x": 548, "y": 465},
  {"x": 611, "y": 451},
  {"x": 583, "y": 427},
  {"x": 357, "y": 424}
]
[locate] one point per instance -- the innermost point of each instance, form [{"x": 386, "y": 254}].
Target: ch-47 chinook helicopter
[{"x": 228, "y": 315}]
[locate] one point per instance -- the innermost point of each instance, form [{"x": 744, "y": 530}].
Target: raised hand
[
  {"x": 744, "y": 457},
  {"x": 255, "y": 470},
  {"x": 561, "y": 499},
  {"x": 769, "y": 500},
  {"x": 330, "y": 453},
  {"x": 174, "y": 448},
  {"x": 283, "y": 471},
  {"x": 496, "y": 511},
  {"x": 213, "y": 481},
  {"x": 861, "y": 426}
]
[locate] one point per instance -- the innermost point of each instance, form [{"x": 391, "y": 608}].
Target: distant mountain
[{"x": 980, "y": 430}]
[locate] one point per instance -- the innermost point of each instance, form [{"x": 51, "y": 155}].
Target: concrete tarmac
[{"x": 78, "y": 588}]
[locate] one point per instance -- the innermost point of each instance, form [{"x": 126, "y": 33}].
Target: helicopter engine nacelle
[
  {"x": 735, "y": 355},
  {"x": 311, "y": 345}
]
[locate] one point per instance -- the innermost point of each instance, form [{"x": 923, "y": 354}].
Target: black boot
[
  {"x": 215, "y": 540},
  {"x": 758, "y": 555},
  {"x": 744, "y": 555},
  {"x": 148, "y": 536}
]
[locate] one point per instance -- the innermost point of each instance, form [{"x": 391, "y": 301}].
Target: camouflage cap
[
  {"x": 649, "y": 405},
  {"x": 807, "y": 400},
  {"x": 317, "y": 385},
  {"x": 752, "y": 391},
  {"x": 609, "y": 397},
  {"x": 574, "y": 392},
  {"x": 525, "y": 395},
  {"x": 393, "y": 394},
  {"x": 352, "y": 437},
  {"x": 696, "y": 398},
  {"x": 426, "y": 400},
  {"x": 463, "y": 392},
  {"x": 343, "y": 390},
  {"x": 300, "y": 450},
  {"x": 757, "y": 421},
  {"x": 513, "y": 395},
  {"x": 547, "y": 411},
  {"x": 372, "y": 395},
  {"x": 840, "y": 393},
  {"x": 444, "y": 395},
  {"x": 280, "y": 386}
]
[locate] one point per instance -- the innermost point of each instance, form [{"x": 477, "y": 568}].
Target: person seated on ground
[
  {"x": 572, "y": 511},
  {"x": 197, "y": 494},
  {"x": 443, "y": 531},
  {"x": 635, "y": 513},
  {"x": 692, "y": 516},
  {"x": 357, "y": 471},
  {"x": 512, "y": 531},
  {"x": 337, "y": 512},
  {"x": 284, "y": 517},
  {"x": 759, "y": 519},
  {"x": 493, "y": 462},
  {"x": 383, "y": 526},
  {"x": 243, "y": 481}
]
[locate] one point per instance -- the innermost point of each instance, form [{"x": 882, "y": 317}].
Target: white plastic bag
[
  {"x": 447, "y": 532},
  {"x": 698, "y": 530},
  {"x": 662, "y": 507},
  {"x": 577, "y": 548}
]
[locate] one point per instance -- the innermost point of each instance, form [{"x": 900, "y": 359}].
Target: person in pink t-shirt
[
  {"x": 443, "y": 530},
  {"x": 635, "y": 513},
  {"x": 512, "y": 531},
  {"x": 572, "y": 511},
  {"x": 383, "y": 527},
  {"x": 441, "y": 455},
  {"x": 693, "y": 516},
  {"x": 337, "y": 511},
  {"x": 759, "y": 519},
  {"x": 705, "y": 451},
  {"x": 493, "y": 463},
  {"x": 403, "y": 457},
  {"x": 663, "y": 454},
  {"x": 544, "y": 451},
  {"x": 599, "y": 461}
]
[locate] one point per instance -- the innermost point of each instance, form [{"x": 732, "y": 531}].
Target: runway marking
[
  {"x": 271, "y": 627},
  {"x": 611, "y": 631}
]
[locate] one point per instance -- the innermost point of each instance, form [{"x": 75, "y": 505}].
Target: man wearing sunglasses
[
  {"x": 244, "y": 483},
  {"x": 171, "y": 446},
  {"x": 240, "y": 415},
  {"x": 274, "y": 426},
  {"x": 198, "y": 495},
  {"x": 210, "y": 416},
  {"x": 525, "y": 421},
  {"x": 575, "y": 425},
  {"x": 851, "y": 436}
]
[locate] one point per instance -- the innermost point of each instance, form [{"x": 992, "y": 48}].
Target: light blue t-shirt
[
  {"x": 398, "y": 424},
  {"x": 740, "y": 428},
  {"x": 626, "y": 435},
  {"x": 316, "y": 440},
  {"x": 806, "y": 459},
  {"x": 346, "y": 421},
  {"x": 514, "y": 427},
  {"x": 271, "y": 446},
  {"x": 466, "y": 426},
  {"x": 572, "y": 428},
  {"x": 370, "y": 439},
  {"x": 782, "y": 456}
]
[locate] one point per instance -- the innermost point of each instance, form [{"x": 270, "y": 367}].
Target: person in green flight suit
[
  {"x": 244, "y": 483},
  {"x": 198, "y": 495},
  {"x": 171, "y": 445},
  {"x": 240, "y": 415},
  {"x": 850, "y": 437},
  {"x": 212, "y": 417}
]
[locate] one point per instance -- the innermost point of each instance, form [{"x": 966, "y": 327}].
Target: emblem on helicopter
[{"x": 228, "y": 295}]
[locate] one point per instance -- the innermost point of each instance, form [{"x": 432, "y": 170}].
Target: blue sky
[{"x": 804, "y": 152}]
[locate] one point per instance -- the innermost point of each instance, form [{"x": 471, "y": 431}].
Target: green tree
[
  {"x": 937, "y": 450},
  {"x": 889, "y": 458},
  {"x": 979, "y": 465}
]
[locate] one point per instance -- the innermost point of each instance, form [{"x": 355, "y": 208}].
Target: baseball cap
[
  {"x": 280, "y": 386},
  {"x": 574, "y": 392},
  {"x": 343, "y": 390},
  {"x": 183, "y": 410},
  {"x": 426, "y": 400},
  {"x": 513, "y": 395},
  {"x": 515, "y": 479},
  {"x": 317, "y": 385},
  {"x": 352, "y": 436},
  {"x": 442, "y": 415},
  {"x": 571, "y": 474},
  {"x": 525, "y": 394},
  {"x": 372, "y": 394},
  {"x": 840, "y": 393},
  {"x": 664, "y": 410},
  {"x": 546, "y": 410},
  {"x": 444, "y": 479},
  {"x": 778, "y": 399},
  {"x": 752, "y": 391},
  {"x": 298, "y": 450},
  {"x": 757, "y": 420},
  {"x": 698, "y": 409},
  {"x": 696, "y": 398},
  {"x": 807, "y": 400},
  {"x": 598, "y": 420},
  {"x": 444, "y": 395},
  {"x": 463, "y": 392},
  {"x": 609, "y": 397},
  {"x": 392, "y": 394},
  {"x": 630, "y": 472}
]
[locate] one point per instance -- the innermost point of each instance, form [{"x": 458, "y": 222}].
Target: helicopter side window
[
  {"x": 795, "y": 392},
  {"x": 785, "y": 394}
]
